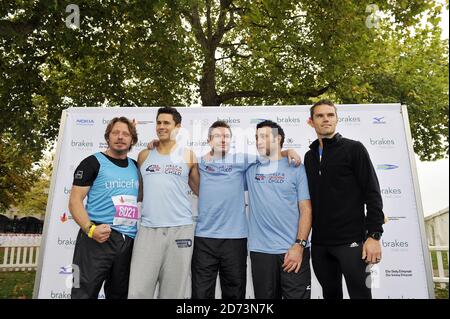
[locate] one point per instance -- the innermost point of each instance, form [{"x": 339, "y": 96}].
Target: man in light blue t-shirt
[
  {"x": 279, "y": 221},
  {"x": 220, "y": 244}
]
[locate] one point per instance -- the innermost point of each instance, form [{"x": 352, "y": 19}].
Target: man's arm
[
  {"x": 194, "y": 175},
  {"x": 141, "y": 158},
  {"x": 293, "y": 258},
  {"x": 368, "y": 181},
  {"x": 292, "y": 156},
  {"x": 76, "y": 207}
]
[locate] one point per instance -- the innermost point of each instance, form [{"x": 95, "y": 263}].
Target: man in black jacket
[{"x": 341, "y": 178}]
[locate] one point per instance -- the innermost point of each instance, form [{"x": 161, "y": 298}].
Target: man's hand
[
  {"x": 371, "y": 253},
  {"x": 153, "y": 144},
  {"x": 293, "y": 156},
  {"x": 293, "y": 259},
  {"x": 101, "y": 233}
]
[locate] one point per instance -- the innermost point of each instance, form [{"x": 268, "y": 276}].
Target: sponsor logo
[
  {"x": 378, "y": 120},
  {"x": 256, "y": 121},
  {"x": 220, "y": 168},
  {"x": 196, "y": 143},
  {"x": 106, "y": 121},
  {"x": 382, "y": 142},
  {"x": 65, "y": 270},
  {"x": 386, "y": 167},
  {"x": 396, "y": 244},
  {"x": 141, "y": 144},
  {"x": 59, "y": 295},
  {"x": 291, "y": 143},
  {"x": 120, "y": 183},
  {"x": 153, "y": 169},
  {"x": 277, "y": 178},
  {"x": 396, "y": 218},
  {"x": 289, "y": 120},
  {"x": 142, "y": 122},
  {"x": 81, "y": 144},
  {"x": 398, "y": 272},
  {"x": 391, "y": 192},
  {"x": 103, "y": 145},
  {"x": 349, "y": 120},
  {"x": 78, "y": 175},
  {"x": 66, "y": 242},
  {"x": 65, "y": 217},
  {"x": 173, "y": 169},
  {"x": 260, "y": 177},
  {"x": 85, "y": 122},
  {"x": 67, "y": 295},
  {"x": 229, "y": 120},
  {"x": 184, "y": 243}
]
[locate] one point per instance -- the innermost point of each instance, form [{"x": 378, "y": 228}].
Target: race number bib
[{"x": 127, "y": 213}]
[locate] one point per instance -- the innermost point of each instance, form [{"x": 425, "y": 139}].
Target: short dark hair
[
  {"x": 170, "y": 110},
  {"x": 131, "y": 127},
  {"x": 321, "y": 102},
  {"x": 218, "y": 124},
  {"x": 276, "y": 129}
]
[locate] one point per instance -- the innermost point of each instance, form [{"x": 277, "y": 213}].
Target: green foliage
[
  {"x": 222, "y": 52},
  {"x": 16, "y": 173},
  {"x": 34, "y": 201}
]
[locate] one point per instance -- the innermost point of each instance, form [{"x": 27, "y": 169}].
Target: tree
[
  {"x": 16, "y": 175},
  {"x": 222, "y": 52},
  {"x": 34, "y": 201}
]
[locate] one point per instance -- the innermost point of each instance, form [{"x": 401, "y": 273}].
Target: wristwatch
[
  {"x": 301, "y": 242},
  {"x": 375, "y": 235}
]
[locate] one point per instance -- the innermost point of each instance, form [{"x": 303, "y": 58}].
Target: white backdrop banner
[{"x": 382, "y": 129}]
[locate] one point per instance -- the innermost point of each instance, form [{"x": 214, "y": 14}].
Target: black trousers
[
  {"x": 271, "y": 282},
  {"x": 226, "y": 257},
  {"x": 331, "y": 262},
  {"x": 108, "y": 263}
]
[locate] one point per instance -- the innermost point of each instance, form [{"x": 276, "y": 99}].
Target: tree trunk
[{"x": 208, "y": 91}]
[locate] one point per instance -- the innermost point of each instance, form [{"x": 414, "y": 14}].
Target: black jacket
[{"x": 340, "y": 184}]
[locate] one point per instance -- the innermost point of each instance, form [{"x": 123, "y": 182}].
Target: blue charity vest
[
  {"x": 113, "y": 194},
  {"x": 166, "y": 201}
]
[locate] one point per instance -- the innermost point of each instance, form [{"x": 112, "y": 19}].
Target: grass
[
  {"x": 17, "y": 284},
  {"x": 440, "y": 293}
]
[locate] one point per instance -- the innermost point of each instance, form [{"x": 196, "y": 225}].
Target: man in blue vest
[{"x": 108, "y": 222}]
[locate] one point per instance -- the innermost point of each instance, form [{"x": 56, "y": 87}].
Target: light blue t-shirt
[
  {"x": 166, "y": 201},
  {"x": 274, "y": 190},
  {"x": 112, "y": 181},
  {"x": 221, "y": 202}
]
